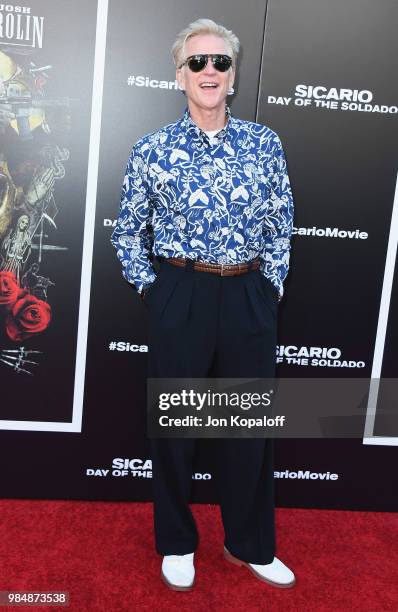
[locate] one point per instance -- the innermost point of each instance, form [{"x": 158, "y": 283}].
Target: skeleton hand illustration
[
  {"x": 40, "y": 188},
  {"x": 15, "y": 358}
]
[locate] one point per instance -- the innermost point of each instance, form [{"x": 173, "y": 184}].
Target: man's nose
[{"x": 209, "y": 68}]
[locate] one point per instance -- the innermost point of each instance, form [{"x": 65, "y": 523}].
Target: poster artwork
[{"x": 32, "y": 162}]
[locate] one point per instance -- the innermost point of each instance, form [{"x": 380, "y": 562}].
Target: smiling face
[{"x": 206, "y": 90}]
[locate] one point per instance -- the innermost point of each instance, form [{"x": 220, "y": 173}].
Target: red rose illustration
[
  {"x": 9, "y": 288},
  {"x": 28, "y": 316}
]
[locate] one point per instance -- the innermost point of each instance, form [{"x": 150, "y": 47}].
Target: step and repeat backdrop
[{"x": 79, "y": 84}]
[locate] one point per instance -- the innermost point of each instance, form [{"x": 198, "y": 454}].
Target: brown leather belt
[{"x": 221, "y": 269}]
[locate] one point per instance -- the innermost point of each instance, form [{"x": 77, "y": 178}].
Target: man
[{"x": 214, "y": 191}]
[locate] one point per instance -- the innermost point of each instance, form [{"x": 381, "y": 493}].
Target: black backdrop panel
[
  {"x": 129, "y": 112},
  {"x": 342, "y": 159}
]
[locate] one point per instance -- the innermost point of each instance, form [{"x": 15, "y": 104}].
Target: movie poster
[{"x": 46, "y": 75}]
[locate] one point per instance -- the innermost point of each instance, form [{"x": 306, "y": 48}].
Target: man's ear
[
  {"x": 180, "y": 78},
  {"x": 232, "y": 77}
]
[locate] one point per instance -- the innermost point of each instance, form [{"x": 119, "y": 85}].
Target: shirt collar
[{"x": 188, "y": 124}]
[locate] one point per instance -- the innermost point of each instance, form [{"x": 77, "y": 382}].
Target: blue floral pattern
[{"x": 227, "y": 202}]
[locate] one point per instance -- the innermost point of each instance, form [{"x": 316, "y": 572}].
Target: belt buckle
[{"x": 222, "y": 269}]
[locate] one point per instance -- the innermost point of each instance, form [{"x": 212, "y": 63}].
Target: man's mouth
[{"x": 208, "y": 85}]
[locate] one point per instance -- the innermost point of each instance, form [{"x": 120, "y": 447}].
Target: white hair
[{"x": 204, "y": 26}]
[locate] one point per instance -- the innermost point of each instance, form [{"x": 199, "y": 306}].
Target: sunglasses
[{"x": 196, "y": 63}]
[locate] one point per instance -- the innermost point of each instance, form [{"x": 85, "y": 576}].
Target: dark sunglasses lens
[
  {"x": 221, "y": 63},
  {"x": 197, "y": 63}
]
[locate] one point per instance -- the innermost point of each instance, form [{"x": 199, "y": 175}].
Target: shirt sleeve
[
  {"x": 278, "y": 225},
  {"x": 132, "y": 235}
]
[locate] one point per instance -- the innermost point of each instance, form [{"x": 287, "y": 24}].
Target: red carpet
[{"x": 103, "y": 554}]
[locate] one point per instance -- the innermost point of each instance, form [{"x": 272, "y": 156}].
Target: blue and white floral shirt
[{"x": 226, "y": 202}]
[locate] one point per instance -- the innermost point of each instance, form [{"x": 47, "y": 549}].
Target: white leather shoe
[
  {"x": 178, "y": 571},
  {"x": 275, "y": 573}
]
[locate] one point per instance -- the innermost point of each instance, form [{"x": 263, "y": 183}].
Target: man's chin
[{"x": 210, "y": 105}]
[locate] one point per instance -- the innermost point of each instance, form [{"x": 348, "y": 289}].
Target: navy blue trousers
[{"x": 204, "y": 325}]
